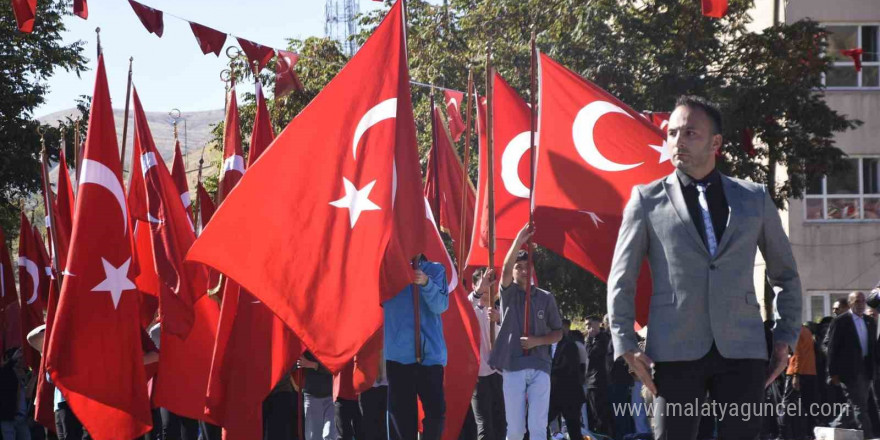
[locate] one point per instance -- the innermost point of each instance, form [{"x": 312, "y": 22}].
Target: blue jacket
[{"x": 400, "y": 320}]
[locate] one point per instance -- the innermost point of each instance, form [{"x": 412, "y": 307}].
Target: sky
[{"x": 171, "y": 72}]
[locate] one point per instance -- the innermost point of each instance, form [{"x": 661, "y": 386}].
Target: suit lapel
[
  {"x": 673, "y": 192},
  {"x": 734, "y": 204}
]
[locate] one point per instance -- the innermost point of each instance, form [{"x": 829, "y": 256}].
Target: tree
[
  {"x": 647, "y": 53},
  {"x": 27, "y": 61}
]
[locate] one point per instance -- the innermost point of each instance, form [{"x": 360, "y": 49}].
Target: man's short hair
[
  {"x": 566, "y": 322},
  {"x": 708, "y": 107}
]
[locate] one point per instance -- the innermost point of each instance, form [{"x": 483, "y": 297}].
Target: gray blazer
[{"x": 698, "y": 299}]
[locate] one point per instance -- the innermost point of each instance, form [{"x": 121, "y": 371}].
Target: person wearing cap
[
  {"x": 525, "y": 361},
  {"x": 407, "y": 375}
]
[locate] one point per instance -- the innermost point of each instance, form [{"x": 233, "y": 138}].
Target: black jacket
[
  {"x": 565, "y": 375},
  {"x": 844, "y": 357},
  {"x": 597, "y": 349}
]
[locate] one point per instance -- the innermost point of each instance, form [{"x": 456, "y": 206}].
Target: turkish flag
[
  {"x": 453, "y": 109},
  {"x": 95, "y": 334},
  {"x": 25, "y": 11},
  {"x": 659, "y": 119},
  {"x": 443, "y": 187},
  {"x": 44, "y": 403},
  {"x": 233, "y": 158},
  {"x": 714, "y": 8},
  {"x": 31, "y": 276},
  {"x": 45, "y": 264},
  {"x": 856, "y": 55},
  {"x": 461, "y": 330},
  {"x": 210, "y": 40},
  {"x": 206, "y": 209},
  {"x": 8, "y": 293},
  {"x": 64, "y": 207},
  {"x": 151, "y": 18},
  {"x": 589, "y": 139},
  {"x": 345, "y": 208},
  {"x": 256, "y": 53},
  {"x": 178, "y": 175},
  {"x": 180, "y": 286},
  {"x": 81, "y": 9},
  {"x": 262, "y": 134},
  {"x": 286, "y": 80}
]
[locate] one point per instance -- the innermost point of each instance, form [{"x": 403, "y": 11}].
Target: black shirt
[
  {"x": 319, "y": 383},
  {"x": 718, "y": 208},
  {"x": 597, "y": 349}
]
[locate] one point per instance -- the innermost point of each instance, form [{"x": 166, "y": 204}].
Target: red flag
[
  {"x": 31, "y": 276},
  {"x": 448, "y": 183},
  {"x": 44, "y": 403},
  {"x": 233, "y": 158},
  {"x": 453, "y": 109},
  {"x": 25, "y": 11},
  {"x": 45, "y": 264},
  {"x": 64, "y": 207},
  {"x": 178, "y": 175},
  {"x": 348, "y": 227},
  {"x": 856, "y": 55},
  {"x": 714, "y": 8},
  {"x": 254, "y": 349},
  {"x": 461, "y": 332},
  {"x": 8, "y": 293},
  {"x": 256, "y": 53},
  {"x": 589, "y": 139},
  {"x": 180, "y": 286},
  {"x": 209, "y": 40},
  {"x": 206, "y": 209},
  {"x": 81, "y": 9},
  {"x": 286, "y": 80},
  {"x": 95, "y": 333},
  {"x": 152, "y": 19}
]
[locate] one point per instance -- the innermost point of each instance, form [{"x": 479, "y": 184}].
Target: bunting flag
[
  {"x": 256, "y": 53},
  {"x": 714, "y": 8},
  {"x": 453, "y": 103},
  {"x": 25, "y": 11},
  {"x": 349, "y": 228},
  {"x": 31, "y": 273},
  {"x": 95, "y": 334},
  {"x": 180, "y": 286},
  {"x": 81, "y": 9},
  {"x": 209, "y": 40},
  {"x": 286, "y": 80},
  {"x": 152, "y": 19},
  {"x": 856, "y": 55},
  {"x": 233, "y": 158},
  {"x": 8, "y": 293},
  {"x": 444, "y": 181},
  {"x": 589, "y": 139}
]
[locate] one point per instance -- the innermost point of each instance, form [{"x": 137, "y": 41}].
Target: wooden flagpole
[
  {"x": 533, "y": 129},
  {"x": 125, "y": 118},
  {"x": 50, "y": 202},
  {"x": 490, "y": 179},
  {"x": 465, "y": 160}
]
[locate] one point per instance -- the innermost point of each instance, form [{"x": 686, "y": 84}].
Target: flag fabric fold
[
  {"x": 25, "y": 12},
  {"x": 31, "y": 278},
  {"x": 152, "y": 19}
]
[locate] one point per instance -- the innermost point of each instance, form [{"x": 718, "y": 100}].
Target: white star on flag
[
  {"x": 664, "y": 150},
  {"x": 116, "y": 280},
  {"x": 594, "y": 217},
  {"x": 356, "y": 200}
]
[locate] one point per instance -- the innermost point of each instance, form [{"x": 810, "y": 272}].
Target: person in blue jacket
[{"x": 407, "y": 376}]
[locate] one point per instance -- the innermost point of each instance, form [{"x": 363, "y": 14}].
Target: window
[
  {"x": 843, "y": 74},
  {"x": 851, "y": 194},
  {"x": 820, "y": 304}
]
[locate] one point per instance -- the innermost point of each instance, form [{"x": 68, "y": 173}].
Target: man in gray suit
[{"x": 700, "y": 231}]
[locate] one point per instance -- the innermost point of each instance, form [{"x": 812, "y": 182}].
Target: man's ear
[{"x": 717, "y": 141}]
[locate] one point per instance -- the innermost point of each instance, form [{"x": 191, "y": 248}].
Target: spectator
[
  {"x": 13, "y": 400},
  {"x": 374, "y": 406},
  {"x": 319, "y": 415},
  {"x": 598, "y": 407},
  {"x": 566, "y": 392},
  {"x": 620, "y": 383},
  {"x": 488, "y": 400},
  {"x": 800, "y": 388}
]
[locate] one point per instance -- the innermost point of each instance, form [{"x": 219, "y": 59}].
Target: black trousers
[
  {"x": 280, "y": 416},
  {"x": 468, "y": 426},
  {"x": 67, "y": 426},
  {"x": 572, "y": 416},
  {"x": 405, "y": 383},
  {"x": 799, "y": 426},
  {"x": 374, "y": 407},
  {"x": 209, "y": 431},
  {"x": 599, "y": 414},
  {"x": 856, "y": 416},
  {"x": 348, "y": 420},
  {"x": 488, "y": 406},
  {"x": 737, "y": 382},
  {"x": 175, "y": 427},
  {"x": 621, "y": 394}
]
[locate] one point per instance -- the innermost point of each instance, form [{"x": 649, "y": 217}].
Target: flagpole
[
  {"x": 464, "y": 176},
  {"x": 76, "y": 149},
  {"x": 125, "y": 118},
  {"x": 532, "y": 129},
  {"x": 435, "y": 167},
  {"x": 50, "y": 202},
  {"x": 490, "y": 180}
]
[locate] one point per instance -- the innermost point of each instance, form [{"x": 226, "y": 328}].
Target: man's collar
[{"x": 713, "y": 178}]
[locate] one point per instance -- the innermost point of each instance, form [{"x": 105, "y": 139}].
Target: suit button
[{"x": 712, "y": 267}]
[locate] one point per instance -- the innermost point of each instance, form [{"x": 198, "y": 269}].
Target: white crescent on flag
[
  {"x": 582, "y": 132},
  {"x": 97, "y": 173},
  {"x": 513, "y": 153},
  {"x": 34, "y": 272},
  {"x": 384, "y": 110}
]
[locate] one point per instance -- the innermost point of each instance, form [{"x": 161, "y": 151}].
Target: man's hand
[
  {"x": 796, "y": 382},
  {"x": 529, "y": 342},
  {"x": 420, "y": 277},
  {"x": 524, "y": 235},
  {"x": 641, "y": 365},
  {"x": 778, "y": 362},
  {"x": 305, "y": 363},
  {"x": 835, "y": 380},
  {"x": 486, "y": 282},
  {"x": 494, "y": 316}
]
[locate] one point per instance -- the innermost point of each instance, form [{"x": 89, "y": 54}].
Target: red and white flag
[
  {"x": 233, "y": 158},
  {"x": 178, "y": 175},
  {"x": 256, "y": 53},
  {"x": 64, "y": 207},
  {"x": 453, "y": 108},
  {"x": 8, "y": 293},
  {"x": 286, "y": 80},
  {"x": 210, "y": 40},
  {"x": 589, "y": 139},
  {"x": 180, "y": 286},
  {"x": 33, "y": 288},
  {"x": 347, "y": 228},
  {"x": 95, "y": 334},
  {"x": 152, "y": 19}
]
